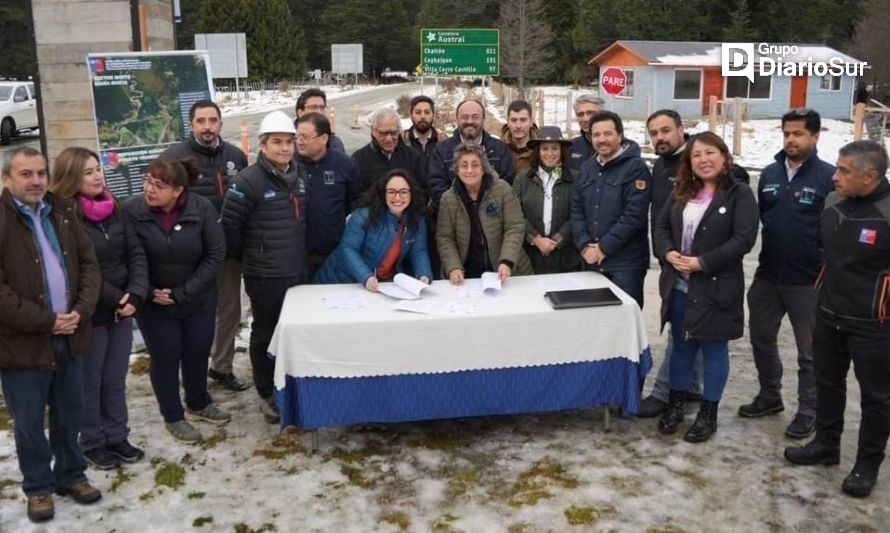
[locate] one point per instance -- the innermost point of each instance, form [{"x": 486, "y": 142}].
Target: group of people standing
[{"x": 173, "y": 258}]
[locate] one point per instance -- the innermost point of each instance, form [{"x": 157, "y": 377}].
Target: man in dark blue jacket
[
  {"x": 790, "y": 195},
  {"x": 851, "y": 317},
  {"x": 610, "y": 207},
  {"x": 581, "y": 150},
  {"x": 333, "y": 187},
  {"x": 219, "y": 162},
  {"x": 471, "y": 129}
]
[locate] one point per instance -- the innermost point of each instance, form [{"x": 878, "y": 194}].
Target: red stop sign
[{"x": 613, "y": 80}]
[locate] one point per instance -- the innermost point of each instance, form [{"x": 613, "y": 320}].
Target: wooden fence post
[
  {"x": 739, "y": 105},
  {"x": 858, "y": 121}
]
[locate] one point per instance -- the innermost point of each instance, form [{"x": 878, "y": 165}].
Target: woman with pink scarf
[{"x": 77, "y": 175}]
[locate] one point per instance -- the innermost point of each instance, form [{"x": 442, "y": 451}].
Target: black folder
[{"x": 582, "y": 298}]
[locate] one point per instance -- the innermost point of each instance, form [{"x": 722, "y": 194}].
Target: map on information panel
[{"x": 141, "y": 101}]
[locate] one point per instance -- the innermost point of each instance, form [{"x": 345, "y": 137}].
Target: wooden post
[
  {"x": 712, "y": 113},
  {"x": 332, "y": 118},
  {"x": 245, "y": 138},
  {"x": 143, "y": 27},
  {"x": 858, "y": 121},
  {"x": 739, "y": 106},
  {"x": 355, "y": 115}
]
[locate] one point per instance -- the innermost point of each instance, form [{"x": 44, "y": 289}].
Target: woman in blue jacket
[{"x": 384, "y": 236}]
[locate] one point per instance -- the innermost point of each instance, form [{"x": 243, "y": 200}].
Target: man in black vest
[{"x": 219, "y": 162}]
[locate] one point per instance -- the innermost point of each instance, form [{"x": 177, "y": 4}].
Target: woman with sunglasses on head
[
  {"x": 706, "y": 227},
  {"x": 185, "y": 247},
  {"x": 77, "y": 174},
  {"x": 383, "y": 237}
]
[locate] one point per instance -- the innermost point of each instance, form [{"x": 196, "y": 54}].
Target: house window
[
  {"x": 830, "y": 83},
  {"x": 741, "y": 87},
  {"x": 629, "y": 85},
  {"x": 687, "y": 84}
]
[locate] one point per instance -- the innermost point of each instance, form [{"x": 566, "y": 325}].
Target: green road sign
[{"x": 460, "y": 52}]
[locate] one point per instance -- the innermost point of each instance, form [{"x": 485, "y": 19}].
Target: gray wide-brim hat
[{"x": 549, "y": 134}]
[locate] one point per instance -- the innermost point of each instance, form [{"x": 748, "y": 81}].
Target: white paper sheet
[
  {"x": 402, "y": 287},
  {"x": 345, "y": 300}
]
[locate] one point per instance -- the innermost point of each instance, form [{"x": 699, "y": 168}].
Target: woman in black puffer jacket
[
  {"x": 185, "y": 247},
  {"x": 77, "y": 175}
]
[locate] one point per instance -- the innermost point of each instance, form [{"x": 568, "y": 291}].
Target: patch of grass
[
  {"x": 348, "y": 456},
  {"x": 693, "y": 478},
  {"x": 116, "y": 509},
  {"x": 213, "y": 440},
  {"x": 5, "y": 484},
  {"x": 5, "y": 419},
  {"x": 356, "y": 476},
  {"x": 146, "y": 496},
  {"x": 665, "y": 528},
  {"x": 170, "y": 475},
  {"x": 139, "y": 367},
  {"x": 443, "y": 524},
  {"x": 241, "y": 527},
  {"x": 439, "y": 441},
  {"x": 462, "y": 482},
  {"x": 121, "y": 476},
  {"x": 195, "y": 495},
  {"x": 578, "y": 515},
  {"x": 201, "y": 520},
  {"x": 628, "y": 486},
  {"x": 397, "y": 518},
  {"x": 283, "y": 445},
  {"x": 532, "y": 485}
]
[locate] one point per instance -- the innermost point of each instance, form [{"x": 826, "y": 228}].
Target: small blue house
[{"x": 683, "y": 75}]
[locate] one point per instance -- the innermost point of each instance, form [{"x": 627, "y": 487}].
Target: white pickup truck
[{"x": 18, "y": 109}]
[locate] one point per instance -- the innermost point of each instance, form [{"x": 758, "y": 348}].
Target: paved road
[{"x": 354, "y": 139}]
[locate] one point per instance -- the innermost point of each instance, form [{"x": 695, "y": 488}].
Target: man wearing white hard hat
[{"x": 263, "y": 217}]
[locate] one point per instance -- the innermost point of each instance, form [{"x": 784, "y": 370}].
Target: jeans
[
  {"x": 835, "y": 347},
  {"x": 105, "y": 366},
  {"x": 27, "y": 394},
  {"x": 768, "y": 303},
  {"x": 228, "y": 316},
  {"x": 663, "y": 380},
  {"x": 266, "y": 298},
  {"x": 715, "y": 355},
  {"x": 630, "y": 281},
  {"x": 174, "y": 344}
]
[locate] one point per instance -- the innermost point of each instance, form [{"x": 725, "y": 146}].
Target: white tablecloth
[{"x": 517, "y": 328}]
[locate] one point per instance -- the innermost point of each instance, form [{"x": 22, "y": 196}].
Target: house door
[
  {"x": 713, "y": 85},
  {"x": 798, "y": 92}
]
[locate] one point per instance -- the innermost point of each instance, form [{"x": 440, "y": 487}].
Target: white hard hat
[{"x": 277, "y": 122}]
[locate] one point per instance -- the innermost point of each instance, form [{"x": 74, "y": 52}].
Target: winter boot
[
  {"x": 705, "y": 423},
  {"x": 674, "y": 415}
]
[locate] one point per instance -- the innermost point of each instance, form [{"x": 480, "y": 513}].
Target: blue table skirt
[{"x": 311, "y": 403}]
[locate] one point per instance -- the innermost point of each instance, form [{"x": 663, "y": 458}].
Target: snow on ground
[
  {"x": 236, "y": 104},
  {"x": 529, "y": 473}
]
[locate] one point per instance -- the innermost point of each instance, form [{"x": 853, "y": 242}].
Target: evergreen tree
[
  {"x": 739, "y": 29},
  {"x": 307, "y": 14},
  {"x": 15, "y": 41},
  {"x": 185, "y": 30},
  {"x": 561, "y": 16},
  {"x": 381, "y": 27},
  {"x": 275, "y": 43}
]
